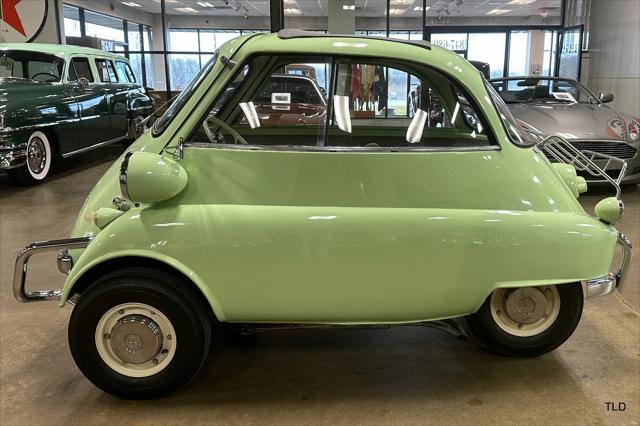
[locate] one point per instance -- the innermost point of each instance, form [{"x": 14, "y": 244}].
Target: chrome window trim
[{"x": 315, "y": 148}]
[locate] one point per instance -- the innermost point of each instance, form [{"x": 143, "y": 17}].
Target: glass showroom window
[
  {"x": 489, "y": 48},
  {"x": 103, "y": 26},
  {"x": 71, "y": 21}
]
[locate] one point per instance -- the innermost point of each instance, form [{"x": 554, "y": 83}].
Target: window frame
[
  {"x": 107, "y": 61},
  {"x": 494, "y": 142},
  {"x": 71, "y": 64}
]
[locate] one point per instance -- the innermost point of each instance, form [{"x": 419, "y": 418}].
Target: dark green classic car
[{"x": 58, "y": 101}]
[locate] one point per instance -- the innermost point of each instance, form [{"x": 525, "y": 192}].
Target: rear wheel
[
  {"x": 38, "y": 163},
  {"x": 140, "y": 333},
  {"x": 528, "y": 321}
]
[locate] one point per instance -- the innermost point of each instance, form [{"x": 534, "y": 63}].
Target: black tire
[
  {"x": 188, "y": 313},
  {"x": 497, "y": 340},
  {"x": 27, "y": 175}
]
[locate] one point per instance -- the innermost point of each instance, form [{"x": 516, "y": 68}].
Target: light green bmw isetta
[{"x": 391, "y": 185}]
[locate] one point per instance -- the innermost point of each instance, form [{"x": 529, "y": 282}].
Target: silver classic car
[{"x": 559, "y": 106}]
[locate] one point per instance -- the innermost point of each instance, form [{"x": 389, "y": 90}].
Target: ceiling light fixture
[
  {"x": 131, "y": 4},
  {"x": 292, "y": 11},
  {"x": 396, "y": 11},
  {"x": 185, "y": 10},
  {"x": 348, "y": 7},
  {"x": 498, "y": 11},
  {"x": 205, "y": 4},
  {"x": 520, "y": 2},
  {"x": 405, "y": 2}
]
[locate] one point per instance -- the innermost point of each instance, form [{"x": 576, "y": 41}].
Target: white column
[{"x": 614, "y": 44}]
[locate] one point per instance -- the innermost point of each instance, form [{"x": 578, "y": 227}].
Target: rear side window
[
  {"x": 124, "y": 72},
  {"x": 380, "y": 104},
  {"x": 106, "y": 71},
  {"x": 79, "y": 68}
]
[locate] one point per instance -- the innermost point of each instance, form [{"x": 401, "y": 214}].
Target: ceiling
[{"x": 364, "y": 8}]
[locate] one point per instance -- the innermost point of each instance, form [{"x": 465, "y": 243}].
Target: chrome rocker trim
[
  {"x": 22, "y": 263},
  {"x": 602, "y": 286}
]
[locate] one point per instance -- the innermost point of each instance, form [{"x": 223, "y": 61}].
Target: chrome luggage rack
[{"x": 583, "y": 160}]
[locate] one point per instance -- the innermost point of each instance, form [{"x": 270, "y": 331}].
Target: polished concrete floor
[{"x": 404, "y": 375}]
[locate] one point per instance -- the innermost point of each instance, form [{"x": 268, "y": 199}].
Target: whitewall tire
[{"x": 38, "y": 164}]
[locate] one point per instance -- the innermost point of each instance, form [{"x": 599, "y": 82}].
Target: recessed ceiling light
[
  {"x": 348, "y": 7},
  {"x": 131, "y": 4},
  {"x": 498, "y": 11},
  {"x": 396, "y": 11},
  {"x": 205, "y": 4},
  {"x": 402, "y": 1},
  {"x": 420, "y": 8},
  {"x": 520, "y": 2},
  {"x": 185, "y": 10},
  {"x": 292, "y": 11}
]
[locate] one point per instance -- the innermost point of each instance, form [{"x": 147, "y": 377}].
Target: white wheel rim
[
  {"x": 38, "y": 155},
  {"x": 525, "y": 311},
  {"x": 141, "y": 321}
]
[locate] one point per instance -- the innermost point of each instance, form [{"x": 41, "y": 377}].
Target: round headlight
[
  {"x": 609, "y": 210},
  {"x": 146, "y": 177}
]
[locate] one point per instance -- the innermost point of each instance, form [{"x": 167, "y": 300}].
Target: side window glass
[
  {"x": 106, "y": 71},
  {"x": 275, "y": 102},
  {"x": 124, "y": 72},
  {"x": 382, "y": 105},
  {"x": 79, "y": 68}
]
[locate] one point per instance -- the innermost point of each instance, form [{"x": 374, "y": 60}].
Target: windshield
[
  {"x": 184, "y": 96},
  {"x": 543, "y": 90},
  {"x": 34, "y": 66},
  {"x": 517, "y": 135}
]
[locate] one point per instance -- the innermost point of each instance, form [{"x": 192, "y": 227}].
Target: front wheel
[
  {"x": 38, "y": 163},
  {"x": 528, "y": 321},
  {"x": 139, "y": 333}
]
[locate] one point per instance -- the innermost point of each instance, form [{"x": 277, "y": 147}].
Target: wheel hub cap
[
  {"x": 136, "y": 339},
  {"x": 526, "y": 305},
  {"x": 36, "y": 156}
]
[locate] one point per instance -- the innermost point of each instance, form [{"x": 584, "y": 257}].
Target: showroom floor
[{"x": 401, "y": 375}]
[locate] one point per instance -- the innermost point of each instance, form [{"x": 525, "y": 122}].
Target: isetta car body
[{"x": 374, "y": 216}]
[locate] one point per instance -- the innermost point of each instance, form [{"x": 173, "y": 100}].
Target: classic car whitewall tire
[
  {"x": 38, "y": 164},
  {"x": 527, "y": 321},
  {"x": 139, "y": 333}
]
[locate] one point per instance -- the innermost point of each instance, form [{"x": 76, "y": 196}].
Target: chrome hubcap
[
  {"x": 136, "y": 339},
  {"x": 36, "y": 155},
  {"x": 525, "y": 311}
]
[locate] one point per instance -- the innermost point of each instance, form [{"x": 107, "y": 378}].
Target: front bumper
[
  {"x": 602, "y": 286},
  {"x": 12, "y": 158},
  {"x": 64, "y": 265}
]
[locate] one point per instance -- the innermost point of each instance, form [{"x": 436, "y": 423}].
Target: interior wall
[{"x": 614, "y": 45}]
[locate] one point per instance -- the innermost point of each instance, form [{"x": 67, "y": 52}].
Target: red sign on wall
[{"x": 21, "y": 20}]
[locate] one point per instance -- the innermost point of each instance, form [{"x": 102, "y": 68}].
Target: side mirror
[
  {"x": 146, "y": 177},
  {"x": 605, "y": 97}
]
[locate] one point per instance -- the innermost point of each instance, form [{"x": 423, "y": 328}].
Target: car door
[
  {"x": 356, "y": 219},
  {"x": 115, "y": 93},
  {"x": 91, "y": 103}
]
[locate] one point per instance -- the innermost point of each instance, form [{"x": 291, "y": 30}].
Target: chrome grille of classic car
[{"x": 615, "y": 149}]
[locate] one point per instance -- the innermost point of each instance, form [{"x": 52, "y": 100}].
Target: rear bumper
[
  {"x": 602, "y": 286},
  {"x": 64, "y": 265}
]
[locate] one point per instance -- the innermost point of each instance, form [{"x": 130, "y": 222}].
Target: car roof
[
  {"x": 287, "y": 34},
  {"x": 61, "y": 50}
]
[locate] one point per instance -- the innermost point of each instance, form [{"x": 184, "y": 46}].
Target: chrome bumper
[
  {"x": 64, "y": 265},
  {"x": 12, "y": 158},
  {"x": 605, "y": 285}
]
